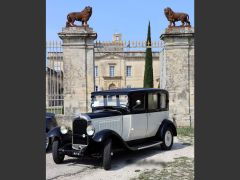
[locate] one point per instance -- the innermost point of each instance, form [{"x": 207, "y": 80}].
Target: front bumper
[{"x": 72, "y": 152}]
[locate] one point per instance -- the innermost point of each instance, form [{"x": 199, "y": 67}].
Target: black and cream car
[{"x": 133, "y": 119}]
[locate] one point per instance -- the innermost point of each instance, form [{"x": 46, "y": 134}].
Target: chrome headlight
[
  {"x": 90, "y": 130},
  {"x": 63, "y": 129}
]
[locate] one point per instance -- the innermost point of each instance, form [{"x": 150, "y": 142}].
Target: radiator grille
[{"x": 79, "y": 132}]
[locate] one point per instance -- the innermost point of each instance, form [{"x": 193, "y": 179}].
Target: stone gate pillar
[
  {"x": 177, "y": 73},
  {"x": 78, "y": 67}
]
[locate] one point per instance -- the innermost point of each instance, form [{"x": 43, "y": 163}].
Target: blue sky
[{"x": 129, "y": 17}]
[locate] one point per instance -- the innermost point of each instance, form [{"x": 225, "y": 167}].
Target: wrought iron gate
[{"x": 54, "y": 77}]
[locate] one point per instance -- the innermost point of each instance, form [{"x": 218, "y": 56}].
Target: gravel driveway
[{"x": 128, "y": 165}]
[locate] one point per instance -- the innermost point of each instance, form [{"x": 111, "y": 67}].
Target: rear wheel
[
  {"x": 107, "y": 154},
  {"x": 167, "y": 139},
  {"x": 57, "y": 157}
]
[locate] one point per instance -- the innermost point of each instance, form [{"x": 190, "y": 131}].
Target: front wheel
[
  {"x": 47, "y": 141},
  {"x": 167, "y": 139},
  {"x": 107, "y": 154},
  {"x": 57, "y": 157}
]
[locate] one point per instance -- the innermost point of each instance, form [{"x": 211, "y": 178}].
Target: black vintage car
[
  {"x": 132, "y": 119},
  {"x": 50, "y": 124}
]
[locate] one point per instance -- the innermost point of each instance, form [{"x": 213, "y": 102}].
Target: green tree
[{"x": 148, "y": 72}]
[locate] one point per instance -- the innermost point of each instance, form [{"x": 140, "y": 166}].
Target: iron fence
[
  {"x": 54, "y": 77},
  {"x": 130, "y": 44}
]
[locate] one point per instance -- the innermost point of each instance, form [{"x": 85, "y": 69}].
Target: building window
[
  {"x": 111, "y": 71},
  {"x": 57, "y": 67},
  {"x": 96, "y": 88},
  {"x": 129, "y": 71},
  {"x": 96, "y": 71}
]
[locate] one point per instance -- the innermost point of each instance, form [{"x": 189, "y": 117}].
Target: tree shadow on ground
[
  {"x": 139, "y": 157},
  {"x": 86, "y": 161},
  {"x": 125, "y": 158}
]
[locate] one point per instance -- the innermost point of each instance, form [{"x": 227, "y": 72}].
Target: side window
[
  {"x": 138, "y": 102},
  {"x": 153, "y": 101},
  {"x": 163, "y": 101}
]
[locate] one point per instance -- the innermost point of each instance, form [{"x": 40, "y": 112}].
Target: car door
[
  {"x": 157, "y": 112},
  {"x": 138, "y": 117}
]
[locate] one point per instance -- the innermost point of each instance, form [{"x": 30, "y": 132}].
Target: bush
[{"x": 185, "y": 131}]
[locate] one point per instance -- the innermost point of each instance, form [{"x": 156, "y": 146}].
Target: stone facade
[
  {"x": 134, "y": 61},
  {"x": 177, "y": 73}
]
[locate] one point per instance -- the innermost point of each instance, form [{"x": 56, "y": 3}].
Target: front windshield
[{"x": 110, "y": 100}]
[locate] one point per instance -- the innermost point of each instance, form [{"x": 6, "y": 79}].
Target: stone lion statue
[
  {"x": 172, "y": 17},
  {"x": 82, "y": 16}
]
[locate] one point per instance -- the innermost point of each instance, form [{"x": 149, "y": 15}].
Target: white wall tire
[{"x": 167, "y": 139}]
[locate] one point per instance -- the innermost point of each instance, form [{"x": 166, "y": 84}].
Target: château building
[{"x": 117, "y": 67}]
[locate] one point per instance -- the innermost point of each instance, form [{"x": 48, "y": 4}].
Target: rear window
[{"x": 153, "y": 101}]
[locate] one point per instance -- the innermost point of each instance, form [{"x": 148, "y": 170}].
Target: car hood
[{"x": 103, "y": 113}]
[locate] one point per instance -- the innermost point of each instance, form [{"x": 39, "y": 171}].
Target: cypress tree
[{"x": 148, "y": 72}]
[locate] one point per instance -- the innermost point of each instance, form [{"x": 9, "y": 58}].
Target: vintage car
[
  {"x": 50, "y": 124},
  {"x": 133, "y": 119}
]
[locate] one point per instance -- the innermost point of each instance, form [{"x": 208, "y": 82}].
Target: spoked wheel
[
  {"x": 57, "y": 157},
  {"x": 167, "y": 139},
  {"x": 107, "y": 154}
]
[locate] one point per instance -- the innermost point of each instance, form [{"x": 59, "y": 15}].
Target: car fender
[
  {"x": 101, "y": 136},
  {"x": 55, "y": 133},
  {"x": 50, "y": 121},
  {"x": 167, "y": 123}
]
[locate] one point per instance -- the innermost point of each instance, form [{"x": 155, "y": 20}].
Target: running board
[{"x": 151, "y": 145}]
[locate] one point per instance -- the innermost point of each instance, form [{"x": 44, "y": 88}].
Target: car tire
[
  {"x": 48, "y": 143},
  {"x": 107, "y": 154},
  {"x": 57, "y": 157},
  {"x": 167, "y": 139}
]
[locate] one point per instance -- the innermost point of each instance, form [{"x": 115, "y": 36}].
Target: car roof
[
  {"x": 49, "y": 114},
  {"x": 126, "y": 91}
]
